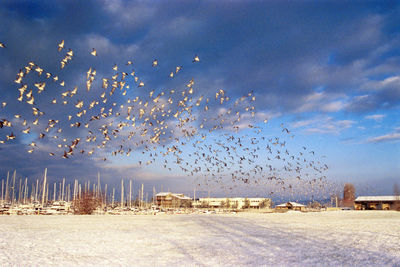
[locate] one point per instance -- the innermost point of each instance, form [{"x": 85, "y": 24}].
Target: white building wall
[{"x": 216, "y": 202}]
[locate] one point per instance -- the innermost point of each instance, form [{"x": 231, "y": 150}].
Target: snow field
[{"x": 341, "y": 238}]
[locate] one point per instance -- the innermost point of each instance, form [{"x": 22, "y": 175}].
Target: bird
[
  {"x": 61, "y": 45},
  {"x": 11, "y": 136},
  {"x": 2, "y": 45},
  {"x": 94, "y": 52},
  {"x": 27, "y": 130},
  {"x": 196, "y": 58},
  {"x": 155, "y": 122}
]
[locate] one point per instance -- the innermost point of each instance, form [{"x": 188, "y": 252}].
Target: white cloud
[
  {"x": 321, "y": 101},
  {"x": 130, "y": 14},
  {"x": 104, "y": 46},
  {"x": 376, "y": 117},
  {"x": 379, "y": 85},
  {"x": 302, "y": 123},
  {"x": 324, "y": 124},
  {"x": 391, "y": 137},
  {"x": 334, "y": 106}
]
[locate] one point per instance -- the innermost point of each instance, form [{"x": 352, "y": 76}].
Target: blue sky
[{"x": 329, "y": 71}]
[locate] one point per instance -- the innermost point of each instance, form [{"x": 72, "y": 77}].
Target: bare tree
[
  {"x": 263, "y": 204},
  {"x": 315, "y": 205},
  {"x": 349, "y": 195},
  {"x": 86, "y": 204},
  {"x": 228, "y": 203},
  {"x": 204, "y": 204},
  {"x": 396, "y": 192},
  {"x": 246, "y": 203},
  {"x": 235, "y": 205}
]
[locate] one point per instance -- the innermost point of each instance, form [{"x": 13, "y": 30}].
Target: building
[
  {"x": 376, "y": 202},
  {"x": 172, "y": 200},
  {"x": 291, "y": 206},
  {"x": 234, "y": 203}
]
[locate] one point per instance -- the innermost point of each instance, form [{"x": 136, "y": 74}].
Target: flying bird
[
  {"x": 61, "y": 45},
  {"x": 94, "y": 52},
  {"x": 196, "y": 58}
]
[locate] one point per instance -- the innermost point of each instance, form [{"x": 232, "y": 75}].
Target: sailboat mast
[
  {"x": 98, "y": 185},
  {"x": 142, "y": 194},
  {"x": 113, "y": 195},
  {"x": 37, "y": 190},
  {"x": 130, "y": 193},
  {"x": 26, "y": 190},
  {"x": 21, "y": 191},
  {"x": 122, "y": 193},
  {"x": 8, "y": 174},
  {"x": 154, "y": 195},
  {"x": 44, "y": 186},
  {"x": 2, "y": 190},
  {"x": 54, "y": 192},
  {"x": 105, "y": 195},
  {"x": 13, "y": 188},
  {"x": 63, "y": 187}
]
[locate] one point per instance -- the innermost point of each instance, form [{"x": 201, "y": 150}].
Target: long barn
[{"x": 376, "y": 202}]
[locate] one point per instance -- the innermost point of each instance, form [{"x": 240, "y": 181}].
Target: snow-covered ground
[{"x": 340, "y": 238}]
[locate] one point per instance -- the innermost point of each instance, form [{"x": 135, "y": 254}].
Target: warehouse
[
  {"x": 172, "y": 200},
  {"x": 376, "y": 202},
  {"x": 291, "y": 206}
]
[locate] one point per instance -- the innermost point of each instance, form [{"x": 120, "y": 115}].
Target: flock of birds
[{"x": 210, "y": 137}]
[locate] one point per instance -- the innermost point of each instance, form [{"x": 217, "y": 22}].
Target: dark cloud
[{"x": 297, "y": 57}]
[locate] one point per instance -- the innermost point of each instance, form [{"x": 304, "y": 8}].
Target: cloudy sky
[{"x": 330, "y": 72}]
